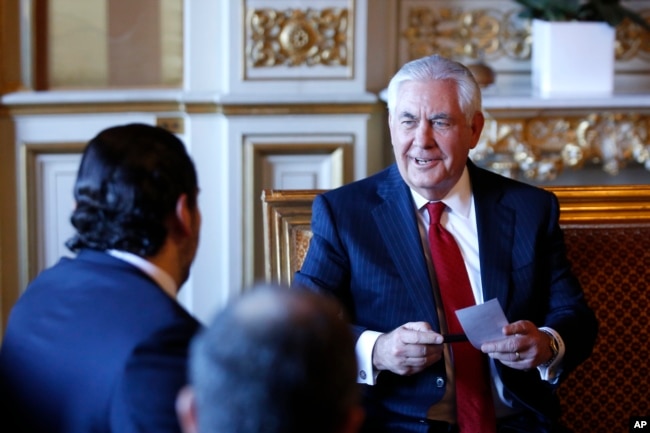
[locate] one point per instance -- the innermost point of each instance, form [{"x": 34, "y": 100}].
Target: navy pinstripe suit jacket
[{"x": 366, "y": 250}]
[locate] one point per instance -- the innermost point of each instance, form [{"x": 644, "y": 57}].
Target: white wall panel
[
  {"x": 299, "y": 171},
  {"x": 55, "y": 176}
]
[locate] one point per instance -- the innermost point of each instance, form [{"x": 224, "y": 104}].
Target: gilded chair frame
[{"x": 287, "y": 219}]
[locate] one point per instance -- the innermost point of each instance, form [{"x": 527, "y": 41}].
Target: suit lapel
[
  {"x": 496, "y": 226},
  {"x": 398, "y": 227}
]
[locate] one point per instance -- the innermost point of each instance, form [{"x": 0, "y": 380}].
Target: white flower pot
[{"x": 572, "y": 58}]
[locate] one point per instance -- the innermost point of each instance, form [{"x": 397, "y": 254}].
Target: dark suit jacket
[
  {"x": 366, "y": 250},
  {"x": 94, "y": 345}
]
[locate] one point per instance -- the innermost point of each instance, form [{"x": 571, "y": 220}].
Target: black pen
[{"x": 454, "y": 338}]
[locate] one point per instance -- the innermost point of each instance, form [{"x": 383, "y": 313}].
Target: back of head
[
  {"x": 128, "y": 183},
  {"x": 276, "y": 361},
  {"x": 436, "y": 67}
]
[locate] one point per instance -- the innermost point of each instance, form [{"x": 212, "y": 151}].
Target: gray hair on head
[{"x": 433, "y": 68}]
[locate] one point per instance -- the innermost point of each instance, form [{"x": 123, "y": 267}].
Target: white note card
[{"x": 483, "y": 322}]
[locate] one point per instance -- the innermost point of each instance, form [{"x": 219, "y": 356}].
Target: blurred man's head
[{"x": 275, "y": 360}]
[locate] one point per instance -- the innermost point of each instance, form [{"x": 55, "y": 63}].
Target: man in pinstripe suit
[{"x": 370, "y": 250}]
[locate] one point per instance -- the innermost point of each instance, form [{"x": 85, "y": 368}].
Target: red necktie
[{"x": 475, "y": 410}]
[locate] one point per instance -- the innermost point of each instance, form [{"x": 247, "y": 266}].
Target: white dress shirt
[{"x": 162, "y": 278}]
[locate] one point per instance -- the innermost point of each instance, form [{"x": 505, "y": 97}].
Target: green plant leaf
[
  {"x": 609, "y": 11},
  {"x": 549, "y": 10}
]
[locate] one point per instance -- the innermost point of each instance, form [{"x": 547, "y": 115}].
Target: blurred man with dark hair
[
  {"x": 98, "y": 343},
  {"x": 273, "y": 361}
]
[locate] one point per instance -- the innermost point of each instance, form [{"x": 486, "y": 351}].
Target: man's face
[{"x": 431, "y": 138}]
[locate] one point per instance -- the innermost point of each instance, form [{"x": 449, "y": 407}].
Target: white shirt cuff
[
  {"x": 551, "y": 373},
  {"x": 365, "y": 345}
]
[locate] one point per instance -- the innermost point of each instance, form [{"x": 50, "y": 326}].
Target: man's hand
[
  {"x": 408, "y": 349},
  {"x": 524, "y": 346}
]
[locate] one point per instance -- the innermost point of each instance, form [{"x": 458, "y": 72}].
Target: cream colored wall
[
  {"x": 116, "y": 43},
  {"x": 84, "y": 26}
]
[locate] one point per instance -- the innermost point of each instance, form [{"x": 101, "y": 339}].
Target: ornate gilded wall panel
[
  {"x": 491, "y": 30},
  {"x": 538, "y": 149},
  {"x": 473, "y": 33},
  {"x": 299, "y": 40}
]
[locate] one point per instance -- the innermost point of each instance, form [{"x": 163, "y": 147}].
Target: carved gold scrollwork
[
  {"x": 632, "y": 41},
  {"x": 539, "y": 149},
  {"x": 479, "y": 33},
  {"x": 492, "y": 34},
  {"x": 295, "y": 37}
]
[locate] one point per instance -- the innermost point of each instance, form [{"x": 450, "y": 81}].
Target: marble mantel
[{"x": 498, "y": 100}]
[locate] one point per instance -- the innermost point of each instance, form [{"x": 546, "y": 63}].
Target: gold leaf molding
[
  {"x": 541, "y": 148},
  {"x": 491, "y": 34},
  {"x": 296, "y": 37}
]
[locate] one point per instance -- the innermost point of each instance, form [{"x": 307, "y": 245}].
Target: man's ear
[
  {"x": 184, "y": 215},
  {"x": 186, "y": 410},
  {"x": 478, "y": 121}
]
